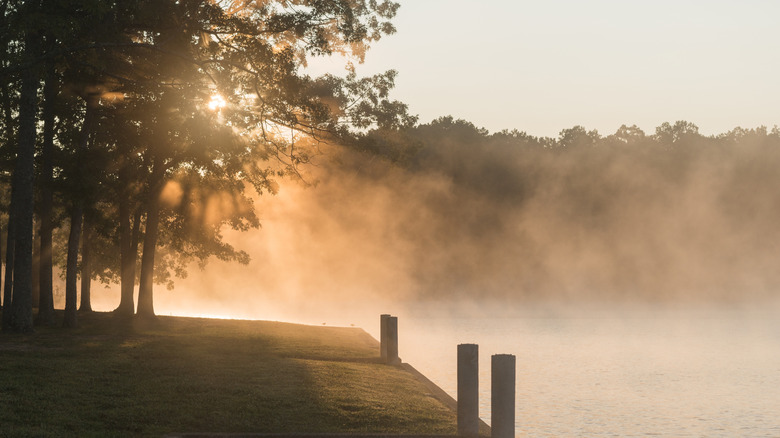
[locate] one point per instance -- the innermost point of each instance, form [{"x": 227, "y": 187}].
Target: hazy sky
[{"x": 544, "y": 66}]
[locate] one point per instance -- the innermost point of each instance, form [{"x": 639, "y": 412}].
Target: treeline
[
  {"x": 631, "y": 215},
  {"x": 132, "y": 132}
]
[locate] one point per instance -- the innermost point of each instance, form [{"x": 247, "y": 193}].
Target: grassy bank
[{"x": 113, "y": 377}]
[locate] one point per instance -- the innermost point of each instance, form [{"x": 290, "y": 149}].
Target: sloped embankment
[{"x": 113, "y": 377}]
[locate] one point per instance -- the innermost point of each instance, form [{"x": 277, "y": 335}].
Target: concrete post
[
  {"x": 468, "y": 390},
  {"x": 392, "y": 341},
  {"x": 383, "y": 336},
  {"x": 502, "y": 422}
]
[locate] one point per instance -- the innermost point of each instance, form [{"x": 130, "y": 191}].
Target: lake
[{"x": 618, "y": 372}]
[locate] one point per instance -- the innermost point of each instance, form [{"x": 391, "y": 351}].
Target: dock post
[
  {"x": 468, "y": 390},
  {"x": 383, "y": 336},
  {"x": 392, "y": 341},
  {"x": 502, "y": 422}
]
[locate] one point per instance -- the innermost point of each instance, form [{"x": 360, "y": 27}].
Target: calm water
[{"x": 637, "y": 374}]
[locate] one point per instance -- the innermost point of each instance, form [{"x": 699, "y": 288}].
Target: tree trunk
[
  {"x": 46, "y": 293},
  {"x": 8, "y": 112},
  {"x": 36, "y": 267},
  {"x": 24, "y": 172},
  {"x": 127, "y": 251},
  {"x": 136, "y": 236},
  {"x": 145, "y": 289},
  {"x": 2, "y": 270},
  {"x": 8, "y": 119},
  {"x": 76, "y": 217},
  {"x": 86, "y": 268},
  {"x": 71, "y": 269},
  {"x": 8, "y": 268},
  {"x": 8, "y": 282}
]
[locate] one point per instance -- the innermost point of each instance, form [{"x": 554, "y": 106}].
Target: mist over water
[
  {"x": 620, "y": 371},
  {"x": 468, "y": 216}
]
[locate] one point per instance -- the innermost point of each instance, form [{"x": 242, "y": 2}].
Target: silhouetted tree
[
  {"x": 628, "y": 135},
  {"x": 22, "y": 203},
  {"x": 46, "y": 197},
  {"x": 578, "y": 137},
  {"x": 671, "y": 135},
  {"x": 85, "y": 303}
]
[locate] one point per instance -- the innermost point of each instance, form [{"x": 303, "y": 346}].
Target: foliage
[{"x": 148, "y": 69}]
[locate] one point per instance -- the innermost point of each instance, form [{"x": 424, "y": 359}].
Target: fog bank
[{"x": 506, "y": 218}]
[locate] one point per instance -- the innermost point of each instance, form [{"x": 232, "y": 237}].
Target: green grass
[{"x": 114, "y": 377}]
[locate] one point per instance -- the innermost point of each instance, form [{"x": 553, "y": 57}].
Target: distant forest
[{"x": 667, "y": 214}]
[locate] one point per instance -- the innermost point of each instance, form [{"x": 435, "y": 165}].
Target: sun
[{"x": 217, "y": 102}]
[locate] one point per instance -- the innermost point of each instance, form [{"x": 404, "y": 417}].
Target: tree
[
  {"x": 165, "y": 60},
  {"x": 628, "y": 135},
  {"x": 252, "y": 55},
  {"x": 578, "y": 137},
  {"x": 46, "y": 190},
  {"x": 668, "y": 134},
  {"x": 22, "y": 202},
  {"x": 85, "y": 303},
  {"x": 77, "y": 208}
]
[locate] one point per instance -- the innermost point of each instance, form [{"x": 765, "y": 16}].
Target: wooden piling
[
  {"x": 383, "y": 336},
  {"x": 502, "y": 421},
  {"x": 468, "y": 390},
  {"x": 392, "y": 341}
]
